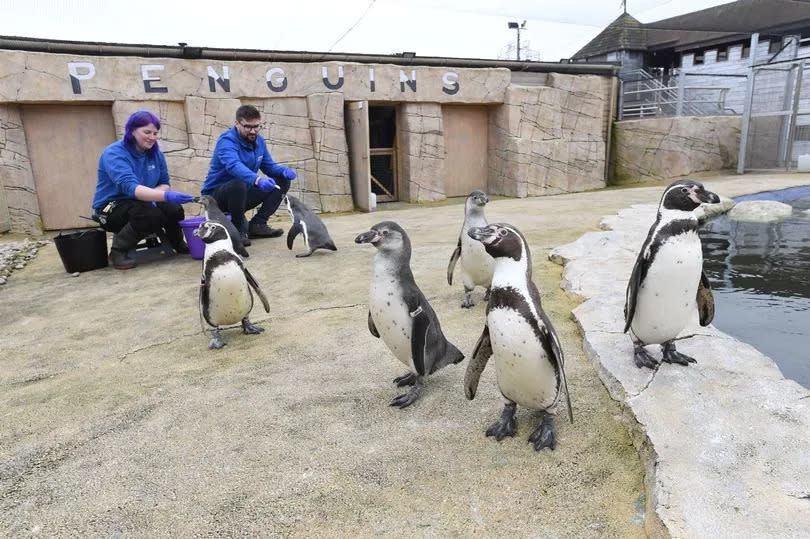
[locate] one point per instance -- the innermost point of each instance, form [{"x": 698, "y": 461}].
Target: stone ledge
[{"x": 724, "y": 441}]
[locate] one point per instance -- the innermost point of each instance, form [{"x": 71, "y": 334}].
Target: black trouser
[
  {"x": 145, "y": 218},
  {"x": 235, "y": 197}
]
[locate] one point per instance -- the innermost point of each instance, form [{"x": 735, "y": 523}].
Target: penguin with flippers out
[
  {"x": 668, "y": 283},
  {"x": 400, "y": 315},
  {"x": 476, "y": 264},
  {"x": 225, "y": 288},
  {"x": 529, "y": 360},
  {"x": 213, "y": 213},
  {"x": 304, "y": 221}
]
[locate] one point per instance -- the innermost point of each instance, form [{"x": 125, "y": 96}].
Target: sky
[{"x": 448, "y": 28}]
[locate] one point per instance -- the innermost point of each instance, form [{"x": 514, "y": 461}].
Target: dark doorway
[{"x": 382, "y": 145}]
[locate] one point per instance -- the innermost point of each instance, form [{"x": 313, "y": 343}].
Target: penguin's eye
[
  {"x": 684, "y": 190},
  {"x": 384, "y": 232},
  {"x": 502, "y": 232}
]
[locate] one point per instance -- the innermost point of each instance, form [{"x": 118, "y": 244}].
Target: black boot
[
  {"x": 124, "y": 240},
  {"x": 177, "y": 240}
]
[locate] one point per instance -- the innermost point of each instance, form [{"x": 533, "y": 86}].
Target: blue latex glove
[
  {"x": 289, "y": 174},
  {"x": 266, "y": 184},
  {"x": 176, "y": 197}
]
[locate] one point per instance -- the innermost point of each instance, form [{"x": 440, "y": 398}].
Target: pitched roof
[{"x": 719, "y": 24}]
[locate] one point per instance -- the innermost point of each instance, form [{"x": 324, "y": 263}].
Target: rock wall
[
  {"x": 421, "y": 160},
  {"x": 19, "y": 206},
  {"x": 664, "y": 148},
  {"x": 549, "y": 139}
]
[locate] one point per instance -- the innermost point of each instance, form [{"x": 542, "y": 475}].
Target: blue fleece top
[
  {"x": 235, "y": 157},
  {"x": 122, "y": 168}
]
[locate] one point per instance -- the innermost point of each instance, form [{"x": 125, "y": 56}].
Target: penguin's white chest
[
  {"x": 476, "y": 264},
  {"x": 390, "y": 314},
  {"x": 666, "y": 297},
  {"x": 229, "y": 298},
  {"x": 525, "y": 373}
]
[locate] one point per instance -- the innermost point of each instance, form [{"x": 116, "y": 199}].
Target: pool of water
[{"x": 760, "y": 274}]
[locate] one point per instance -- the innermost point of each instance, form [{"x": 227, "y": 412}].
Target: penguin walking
[
  {"x": 225, "y": 288},
  {"x": 668, "y": 283},
  {"x": 305, "y": 222},
  {"x": 476, "y": 264},
  {"x": 213, "y": 213},
  {"x": 400, "y": 314},
  {"x": 528, "y": 357}
]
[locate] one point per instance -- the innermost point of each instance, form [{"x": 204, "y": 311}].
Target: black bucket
[{"x": 82, "y": 251}]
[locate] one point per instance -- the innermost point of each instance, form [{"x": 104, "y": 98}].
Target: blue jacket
[
  {"x": 235, "y": 157},
  {"x": 122, "y": 168}
]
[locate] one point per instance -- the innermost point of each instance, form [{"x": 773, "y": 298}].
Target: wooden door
[
  {"x": 359, "y": 163},
  {"x": 64, "y": 144},
  {"x": 465, "y": 143}
]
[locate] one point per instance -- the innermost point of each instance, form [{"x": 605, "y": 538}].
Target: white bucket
[
  {"x": 372, "y": 201},
  {"x": 804, "y": 163}
]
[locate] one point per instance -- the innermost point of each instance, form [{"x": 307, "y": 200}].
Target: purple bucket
[{"x": 196, "y": 246}]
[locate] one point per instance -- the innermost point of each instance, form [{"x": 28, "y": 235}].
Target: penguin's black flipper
[
  {"x": 633, "y": 285},
  {"x": 419, "y": 339},
  {"x": 705, "y": 300},
  {"x": 453, "y": 259},
  {"x": 295, "y": 229},
  {"x": 371, "y": 327},
  {"x": 480, "y": 356},
  {"x": 252, "y": 282},
  {"x": 550, "y": 335}
]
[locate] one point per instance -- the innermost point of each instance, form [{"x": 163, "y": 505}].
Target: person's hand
[
  {"x": 289, "y": 174},
  {"x": 176, "y": 197},
  {"x": 265, "y": 184}
]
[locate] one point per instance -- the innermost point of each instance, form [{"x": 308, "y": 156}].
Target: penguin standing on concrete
[
  {"x": 476, "y": 264},
  {"x": 225, "y": 295},
  {"x": 213, "y": 213},
  {"x": 528, "y": 357},
  {"x": 305, "y": 222},
  {"x": 400, "y": 314},
  {"x": 668, "y": 283}
]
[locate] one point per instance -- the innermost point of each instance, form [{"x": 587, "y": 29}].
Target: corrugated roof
[{"x": 719, "y": 24}]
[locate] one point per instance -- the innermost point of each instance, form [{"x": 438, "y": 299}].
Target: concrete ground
[{"x": 117, "y": 419}]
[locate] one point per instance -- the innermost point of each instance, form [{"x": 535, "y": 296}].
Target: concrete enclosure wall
[
  {"x": 664, "y": 148},
  {"x": 528, "y": 140}
]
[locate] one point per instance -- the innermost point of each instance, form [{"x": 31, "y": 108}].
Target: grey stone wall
[
  {"x": 19, "y": 206},
  {"x": 664, "y": 148},
  {"x": 551, "y": 139},
  {"x": 421, "y": 143}
]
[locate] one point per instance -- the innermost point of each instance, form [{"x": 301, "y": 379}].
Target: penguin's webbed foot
[
  {"x": 486, "y": 295},
  {"x": 250, "y": 329},
  {"x": 407, "y": 379},
  {"x": 406, "y": 399},
  {"x": 468, "y": 303},
  {"x": 544, "y": 435},
  {"x": 673, "y": 356},
  {"x": 506, "y": 424},
  {"x": 642, "y": 357},
  {"x": 304, "y": 255},
  {"x": 216, "y": 341}
]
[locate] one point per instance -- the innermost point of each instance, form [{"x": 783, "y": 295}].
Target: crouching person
[{"x": 132, "y": 198}]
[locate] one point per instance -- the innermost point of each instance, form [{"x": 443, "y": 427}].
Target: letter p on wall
[{"x": 79, "y": 71}]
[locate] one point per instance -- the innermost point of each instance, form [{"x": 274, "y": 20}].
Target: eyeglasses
[{"x": 253, "y": 127}]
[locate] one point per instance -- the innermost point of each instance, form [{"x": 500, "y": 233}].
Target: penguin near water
[
  {"x": 668, "y": 283},
  {"x": 400, "y": 314},
  {"x": 225, "y": 288},
  {"x": 476, "y": 264},
  {"x": 305, "y": 222},
  {"x": 529, "y": 361},
  {"x": 213, "y": 213}
]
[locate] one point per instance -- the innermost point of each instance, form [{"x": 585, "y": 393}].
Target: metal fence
[{"x": 644, "y": 95}]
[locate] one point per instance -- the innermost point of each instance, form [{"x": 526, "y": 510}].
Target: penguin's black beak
[
  {"x": 479, "y": 233},
  {"x": 198, "y": 231},
  {"x": 371, "y": 236},
  {"x": 708, "y": 197}
]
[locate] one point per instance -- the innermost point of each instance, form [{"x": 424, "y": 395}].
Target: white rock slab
[
  {"x": 760, "y": 211},
  {"x": 726, "y": 441}
]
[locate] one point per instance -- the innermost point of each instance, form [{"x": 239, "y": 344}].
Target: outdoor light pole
[{"x": 518, "y": 28}]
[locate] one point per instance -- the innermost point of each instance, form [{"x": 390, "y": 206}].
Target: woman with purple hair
[{"x": 132, "y": 197}]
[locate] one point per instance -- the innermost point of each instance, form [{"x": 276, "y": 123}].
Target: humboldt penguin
[
  {"x": 476, "y": 264},
  {"x": 668, "y": 282},
  {"x": 225, "y": 288},
  {"x": 213, "y": 213},
  {"x": 400, "y": 314},
  {"x": 305, "y": 222},
  {"x": 529, "y": 361}
]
